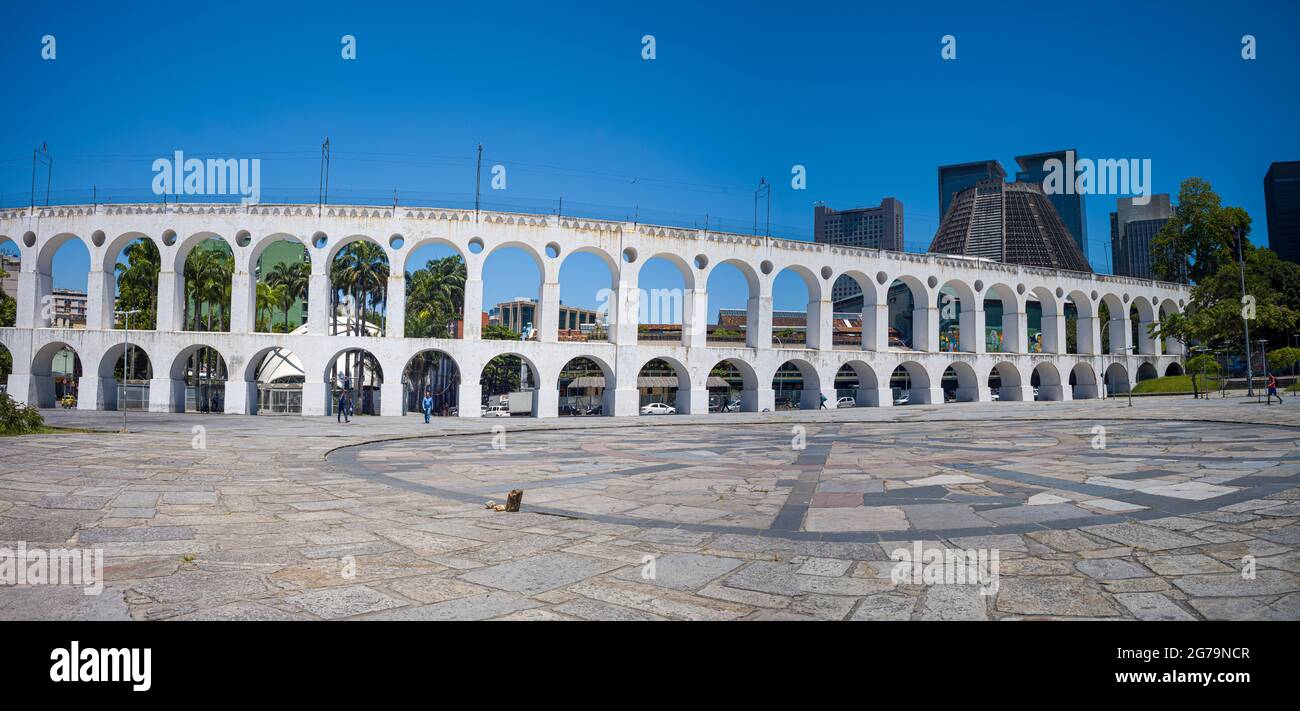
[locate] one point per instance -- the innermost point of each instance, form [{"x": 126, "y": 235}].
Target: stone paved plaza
[{"x": 788, "y": 515}]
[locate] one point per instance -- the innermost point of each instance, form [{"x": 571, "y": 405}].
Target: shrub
[{"x": 16, "y": 418}]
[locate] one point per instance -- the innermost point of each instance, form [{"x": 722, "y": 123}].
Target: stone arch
[
  {"x": 140, "y": 366},
  {"x": 50, "y": 384},
  {"x": 403, "y": 255},
  {"x": 957, "y": 309},
  {"x": 1174, "y": 368},
  {"x": 913, "y": 380},
  {"x": 110, "y": 251},
  {"x": 580, "y": 398},
  {"x": 678, "y": 396},
  {"x": 749, "y": 386},
  {"x": 257, "y": 276},
  {"x": 433, "y": 370},
  {"x": 208, "y": 370},
  {"x": 968, "y": 387},
  {"x": 359, "y": 372},
  {"x": 1008, "y": 383},
  {"x": 1083, "y": 382},
  {"x": 754, "y": 285},
  {"x": 1049, "y": 382},
  {"x": 807, "y": 395},
  {"x": 1147, "y": 344},
  {"x": 1147, "y": 371},
  {"x": 912, "y": 325},
  {"x": 1084, "y": 325},
  {"x": 181, "y": 251},
  {"x": 1117, "y": 381},
  {"x": 45, "y": 255},
  {"x": 1004, "y": 329},
  {"x": 500, "y": 374},
  {"x": 869, "y": 392},
  {"x": 1115, "y": 332},
  {"x": 1051, "y": 326}
]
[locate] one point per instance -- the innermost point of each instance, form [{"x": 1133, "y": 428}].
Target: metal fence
[
  {"x": 279, "y": 399},
  {"x": 134, "y": 397}
]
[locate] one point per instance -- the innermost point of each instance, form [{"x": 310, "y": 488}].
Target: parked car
[
  {"x": 733, "y": 406},
  {"x": 658, "y": 408},
  {"x": 497, "y": 411},
  {"x": 903, "y": 398},
  {"x": 1035, "y": 393},
  {"x": 995, "y": 395},
  {"x": 846, "y": 402}
]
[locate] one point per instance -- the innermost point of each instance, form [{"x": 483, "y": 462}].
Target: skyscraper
[
  {"x": 1013, "y": 223},
  {"x": 873, "y": 227},
  {"x": 1069, "y": 205},
  {"x": 1282, "y": 201},
  {"x": 956, "y": 178},
  {"x": 1132, "y": 227}
]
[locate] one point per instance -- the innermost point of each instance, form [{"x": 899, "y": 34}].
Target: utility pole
[
  {"x": 1241, "y": 263},
  {"x": 126, "y": 361},
  {"x": 323, "y": 195},
  {"x": 764, "y": 189},
  {"x": 1263, "y": 352},
  {"x": 478, "y": 178},
  {"x": 42, "y": 155}
]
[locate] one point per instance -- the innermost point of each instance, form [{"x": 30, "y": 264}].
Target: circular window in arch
[
  {"x": 629, "y": 255},
  {"x": 701, "y": 261},
  {"x": 396, "y": 241},
  {"x": 98, "y": 238},
  {"x": 319, "y": 240},
  {"x": 553, "y": 250},
  {"x": 169, "y": 238},
  {"x": 243, "y": 238},
  {"x": 765, "y": 267}
]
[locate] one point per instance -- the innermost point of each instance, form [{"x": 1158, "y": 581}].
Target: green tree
[
  {"x": 1201, "y": 366},
  {"x": 137, "y": 284},
  {"x": 293, "y": 278},
  {"x": 1199, "y": 239},
  {"x": 435, "y": 297}
]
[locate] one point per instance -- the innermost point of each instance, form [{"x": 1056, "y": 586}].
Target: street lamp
[
  {"x": 1263, "y": 352},
  {"x": 126, "y": 358}
]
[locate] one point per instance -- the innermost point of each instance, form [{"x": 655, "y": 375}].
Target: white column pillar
[
  {"x": 96, "y": 393},
  {"x": 1088, "y": 332},
  {"x": 978, "y": 393},
  {"x": 314, "y": 399},
  {"x": 1147, "y": 343},
  {"x": 548, "y": 316},
  {"x": 392, "y": 396},
  {"x": 875, "y": 397},
  {"x": 925, "y": 328},
  {"x": 627, "y": 402},
  {"x": 875, "y": 327},
  {"x": 1016, "y": 393},
  {"x": 470, "y": 399},
  {"x": 546, "y": 402},
  {"x": 395, "y": 307},
  {"x": 241, "y": 396},
  {"x": 243, "y": 302},
  {"x": 695, "y": 318},
  {"x": 171, "y": 301},
  {"x": 624, "y": 313},
  {"x": 758, "y": 322},
  {"x": 166, "y": 395},
  {"x": 1014, "y": 329},
  {"x": 758, "y": 400},
  {"x": 971, "y": 324},
  {"x": 925, "y": 396},
  {"x": 820, "y": 325},
  {"x": 318, "y": 309},
  {"x": 692, "y": 402},
  {"x": 473, "y": 320},
  {"x": 31, "y": 287},
  {"x": 1121, "y": 335},
  {"x": 100, "y": 287},
  {"x": 1053, "y": 330}
]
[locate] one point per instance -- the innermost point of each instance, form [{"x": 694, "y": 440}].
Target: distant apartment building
[
  {"x": 1069, "y": 205},
  {"x": 878, "y": 227},
  {"x": 1282, "y": 202},
  {"x": 69, "y": 309},
  {"x": 9, "y": 265},
  {"x": 520, "y": 314},
  {"x": 1132, "y": 228}
]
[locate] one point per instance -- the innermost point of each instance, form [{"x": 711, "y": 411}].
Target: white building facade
[{"x": 549, "y": 240}]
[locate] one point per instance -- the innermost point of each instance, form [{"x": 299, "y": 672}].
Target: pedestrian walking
[
  {"x": 1272, "y": 391},
  {"x": 427, "y": 405},
  {"x": 342, "y": 411},
  {"x": 823, "y": 403}
]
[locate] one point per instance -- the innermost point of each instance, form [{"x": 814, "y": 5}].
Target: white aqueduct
[{"x": 624, "y": 247}]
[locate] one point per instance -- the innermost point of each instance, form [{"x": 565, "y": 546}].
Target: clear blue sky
[{"x": 558, "y": 93}]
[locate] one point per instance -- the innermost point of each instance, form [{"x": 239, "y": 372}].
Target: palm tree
[
  {"x": 361, "y": 271},
  {"x": 435, "y": 297},
  {"x": 295, "y": 277},
  {"x": 137, "y": 282}
]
